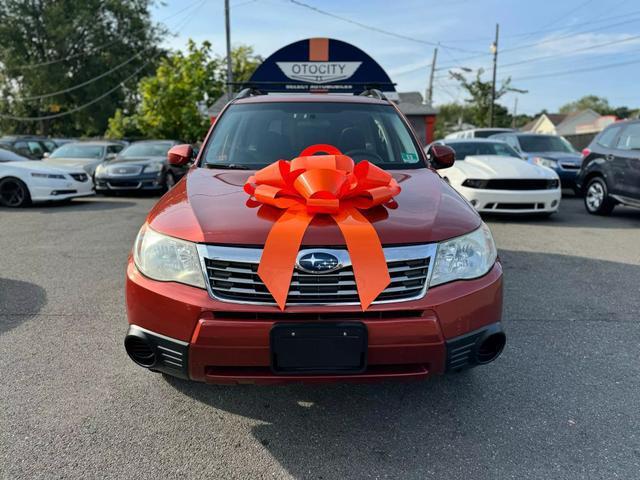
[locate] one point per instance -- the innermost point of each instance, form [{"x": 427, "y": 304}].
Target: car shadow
[
  {"x": 19, "y": 301},
  {"x": 523, "y": 406},
  {"x": 573, "y": 214},
  {"x": 83, "y": 204}
]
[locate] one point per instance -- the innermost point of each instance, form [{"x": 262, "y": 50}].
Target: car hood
[
  {"x": 558, "y": 156},
  {"x": 210, "y": 206},
  {"x": 71, "y": 161},
  {"x": 493, "y": 166},
  {"x": 43, "y": 167},
  {"x": 137, "y": 160}
]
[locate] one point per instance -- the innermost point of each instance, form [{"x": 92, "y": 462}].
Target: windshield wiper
[{"x": 227, "y": 166}]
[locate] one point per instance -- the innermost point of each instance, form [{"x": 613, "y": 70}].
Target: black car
[
  {"x": 140, "y": 166},
  {"x": 33, "y": 148},
  {"x": 610, "y": 173}
]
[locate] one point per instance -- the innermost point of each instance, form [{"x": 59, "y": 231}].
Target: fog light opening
[
  {"x": 140, "y": 351},
  {"x": 474, "y": 202},
  {"x": 554, "y": 203},
  {"x": 490, "y": 348}
]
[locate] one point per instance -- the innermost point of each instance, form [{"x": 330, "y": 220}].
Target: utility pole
[
  {"x": 494, "y": 50},
  {"x": 429, "y": 92},
  {"x": 515, "y": 112},
  {"x": 228, "y": 33}
]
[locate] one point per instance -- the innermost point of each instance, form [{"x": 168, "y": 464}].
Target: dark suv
[{"x": 610, "y": 171}]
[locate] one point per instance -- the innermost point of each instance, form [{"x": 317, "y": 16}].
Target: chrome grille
[
  {"x": 232, "y": 276},
  {"x": 124, "y": 170}
]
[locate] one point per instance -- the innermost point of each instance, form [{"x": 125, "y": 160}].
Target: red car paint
[{"x": 229, "y": 342}]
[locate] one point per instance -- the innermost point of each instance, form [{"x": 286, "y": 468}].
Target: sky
[{"x": 558, "y": 51}]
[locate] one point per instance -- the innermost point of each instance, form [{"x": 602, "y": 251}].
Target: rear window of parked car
[
  {"x": 544, "y": 143},
  {"x": 75, "y": 150},
  {"x": 464, "y": 149},
  {"x": 159, "y": 149},
  {"x": 606, "y": 137},
  {"x": 629, "y": 138}
]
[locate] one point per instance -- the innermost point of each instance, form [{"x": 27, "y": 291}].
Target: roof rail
[
  {"x": 247, "y": 92},
  {"x": 374, "y": 93}
]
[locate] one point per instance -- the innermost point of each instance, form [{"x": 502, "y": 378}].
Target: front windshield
[
  {"x": 464, "y": 149},
  {"x": 255, "y": 135},
  {"x": 544, "y": 143},
  {"x": 146, "y": 149},
  {"x": 77, "y": 150}
]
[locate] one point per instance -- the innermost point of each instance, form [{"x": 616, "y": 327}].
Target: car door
[{"x": 627, "y": 162}]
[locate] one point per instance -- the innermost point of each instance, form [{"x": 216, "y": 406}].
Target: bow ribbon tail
[
  {"x": 280, "y": 251},
  {"x": 367, "y": 257}
]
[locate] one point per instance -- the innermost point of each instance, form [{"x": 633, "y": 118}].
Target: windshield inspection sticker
[{"x": 408, "y": 157}]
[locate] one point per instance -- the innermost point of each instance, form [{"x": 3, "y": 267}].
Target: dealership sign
[{"x": 320, "y": 64}]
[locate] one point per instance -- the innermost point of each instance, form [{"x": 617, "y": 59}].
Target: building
[{"x": 577, "y": 127}]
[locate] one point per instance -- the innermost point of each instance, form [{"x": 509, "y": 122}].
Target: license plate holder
[{"x": 318, "y": 348}]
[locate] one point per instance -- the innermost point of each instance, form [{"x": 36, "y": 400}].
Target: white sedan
[
  {"x": 495, "y": 179},
  {"x": 23, "y": 181}
]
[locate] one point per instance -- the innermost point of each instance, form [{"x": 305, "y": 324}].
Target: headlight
[
  {"x": 545, "y": 162},
  {"x": 47, "y": 175},
  {"x": 167, "y": 259},
  {"x": 465, "y": 257},
  {"x": 101, "y": 169},
  {"x": 153, "y": 168}
]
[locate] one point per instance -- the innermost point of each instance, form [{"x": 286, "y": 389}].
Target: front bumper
[
  {"x": 512, "y": 201},
  {"x": 228, "y": 343},
  {"x": 64, "y": 191},
  {"x": 136, "y": 182}
]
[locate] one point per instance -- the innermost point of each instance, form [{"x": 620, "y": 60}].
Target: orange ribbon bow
[{"x": 323, "y": 184}]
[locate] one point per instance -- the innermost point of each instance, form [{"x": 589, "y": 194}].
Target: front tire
[
  {"x": 596, "y": 198},
  {"x": 14, "y": 193}
]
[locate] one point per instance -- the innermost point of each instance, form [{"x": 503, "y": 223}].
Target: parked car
[
  {"x": 198, "y": 309},
  {"x": 477, "y": 133},
  {"x": 23, "y": 181},
  {"x": 493, "y": 177},
  {"x": 140, "y": 166},
  {"x": 610, "y": 173},
  {"x": 87, "y": 155},
  {"x": 551, "y": 151},
  {"x": 33, "y": 148}
]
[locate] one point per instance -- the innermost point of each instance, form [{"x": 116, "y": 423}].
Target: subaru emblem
[{"x": 318, "y": 262}]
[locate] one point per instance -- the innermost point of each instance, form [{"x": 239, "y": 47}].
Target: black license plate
[{"x": 318, "y": 348}]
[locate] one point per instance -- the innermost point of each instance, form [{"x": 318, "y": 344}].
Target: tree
[
  {"x": 480, "y": 101},
  {"x": 47, "y": 46},
  {"x": 595, "y": 103},
  {"x": 170, "y": 99}
]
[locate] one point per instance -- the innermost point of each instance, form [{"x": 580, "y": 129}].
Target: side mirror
[
  {"x": 45, "y": 155},
  {"x": 441, "y": 156},
  {"x": 180, "y": 155},
  {"x": 110, "y": 156}
]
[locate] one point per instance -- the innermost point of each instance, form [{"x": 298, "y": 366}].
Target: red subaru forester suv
[{"x": 198, "y": 309}]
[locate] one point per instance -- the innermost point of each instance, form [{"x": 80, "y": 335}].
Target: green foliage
[
  {"x": 595, "y": 103},
  {"x": 44, "y": 31},
  {"x": 480, "y": 99},
  {"x": 170, "y": 99},
  {"x": 600, "y": 105}
]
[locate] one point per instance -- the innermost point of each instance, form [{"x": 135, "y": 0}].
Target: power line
[
  {"x": 581, "y": 70},
  {"x": 542, "y": 42},
  {"x": 80, "y": 107},
  {"x": 99, "y": 47},
  {"x": 376, "y": 29}
]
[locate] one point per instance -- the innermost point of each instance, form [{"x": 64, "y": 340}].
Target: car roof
[
  {"x": 311, "y": 97},
  {"x": 470, "y": 140},
  {"x": 159, "y": 140},
  {"x": 528, "y": 134},
  {"x": 97, "y": 143}
]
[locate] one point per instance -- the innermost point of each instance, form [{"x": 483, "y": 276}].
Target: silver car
[{"x": 87, "y": 155}]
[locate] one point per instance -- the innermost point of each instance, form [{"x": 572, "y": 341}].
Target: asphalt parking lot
[{"x": 562, "y": 402}]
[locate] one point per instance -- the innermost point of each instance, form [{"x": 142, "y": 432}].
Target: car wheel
[
  {"x": 596, "y": 198},
  {"x": 14, "y": 193},
  {"x": 169, "y": 181}
]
